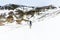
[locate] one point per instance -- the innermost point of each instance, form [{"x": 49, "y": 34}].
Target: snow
[
  {"x": 5, "y": 11},
  {"x": 46, "y": 28},
  {"x": 36, "y": 18},
  {"x": 33, "y": 19},
  {"x": 24, "y": 9}
]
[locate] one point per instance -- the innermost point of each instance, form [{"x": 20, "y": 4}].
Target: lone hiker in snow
[{"x": 30, "y": 24}]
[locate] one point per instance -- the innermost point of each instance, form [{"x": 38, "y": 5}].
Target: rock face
[
  {"x": 9, "y": 6},
  {"x": 10, "y": 19}
]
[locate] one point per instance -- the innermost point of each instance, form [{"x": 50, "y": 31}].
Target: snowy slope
[
  {"x": 45, "y": 28},
  {"x": 49, "y": 29},
  {"x": 36, "y": 18}
]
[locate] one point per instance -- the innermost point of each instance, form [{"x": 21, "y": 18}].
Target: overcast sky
[{"x": 30, "y": 2}]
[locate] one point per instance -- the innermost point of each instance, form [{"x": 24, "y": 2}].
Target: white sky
[{"x": 31, "y": 2}]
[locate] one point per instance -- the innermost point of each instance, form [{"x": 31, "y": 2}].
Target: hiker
[{"x": 30, "y": 24}]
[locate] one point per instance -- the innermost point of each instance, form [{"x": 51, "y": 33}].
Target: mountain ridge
[{"x": 14, "y": 6}]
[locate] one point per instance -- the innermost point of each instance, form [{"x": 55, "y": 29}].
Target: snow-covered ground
[
  {"x": 37, "y": 18},
  {"x": 49, "y": 29},
  {"x": 45, "y": 28}
]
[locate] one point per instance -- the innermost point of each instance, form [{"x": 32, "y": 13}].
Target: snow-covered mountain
[
  {"x": 13, "y": 6},
  {"x": 21, "y": 15}
]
